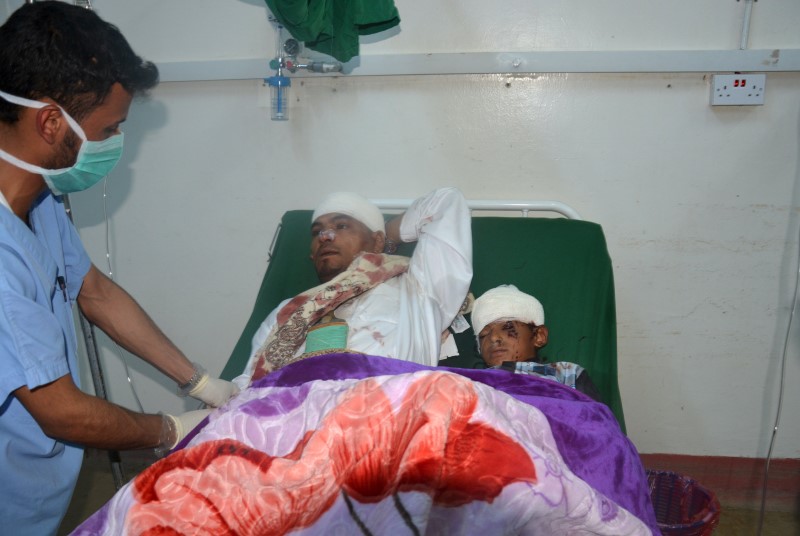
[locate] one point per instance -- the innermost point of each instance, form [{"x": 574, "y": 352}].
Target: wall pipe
[
  {"x": 748, "y": 11},
  {"x": 640, "y": 61}
]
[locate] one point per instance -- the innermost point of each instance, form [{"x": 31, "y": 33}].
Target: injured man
[{"x": 369, "y": 301}]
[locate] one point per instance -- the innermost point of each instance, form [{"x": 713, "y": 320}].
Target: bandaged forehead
[
  {"x": 506, "y": 302},
  {"x": 353, "y": 205}
]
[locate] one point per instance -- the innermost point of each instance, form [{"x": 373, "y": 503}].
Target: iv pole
[{"x": 90, "y": 342}]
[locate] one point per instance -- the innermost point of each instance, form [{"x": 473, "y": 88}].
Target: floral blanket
[{"x": 353, "y": 444}]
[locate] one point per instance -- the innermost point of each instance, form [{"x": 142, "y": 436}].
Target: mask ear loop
[
  {"x": 22, "y": 101},
  {"x": 28, "y": 103}
]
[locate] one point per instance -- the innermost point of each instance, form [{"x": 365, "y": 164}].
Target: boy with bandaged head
[{"x": 510, "y": 330}]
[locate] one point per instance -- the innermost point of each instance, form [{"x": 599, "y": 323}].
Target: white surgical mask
[{"x": 95, "y": 159}]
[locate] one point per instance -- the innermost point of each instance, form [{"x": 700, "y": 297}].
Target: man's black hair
[{"x": 69, "y": 54}]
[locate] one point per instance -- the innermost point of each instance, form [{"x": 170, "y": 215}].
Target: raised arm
[{"x": 441, "y": 225}]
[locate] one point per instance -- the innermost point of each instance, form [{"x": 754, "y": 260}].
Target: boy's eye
[{"x": 340, "y": 226}]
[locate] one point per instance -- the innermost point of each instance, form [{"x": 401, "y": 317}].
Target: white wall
[{"x": 699, "y": 204}]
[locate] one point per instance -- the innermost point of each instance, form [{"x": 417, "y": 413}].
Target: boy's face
[{"x": 510, "y": 340}]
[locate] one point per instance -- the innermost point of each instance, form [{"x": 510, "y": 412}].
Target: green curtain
[{"x": 333, "y": 27}]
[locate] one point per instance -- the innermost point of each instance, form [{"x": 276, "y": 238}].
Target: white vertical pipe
[{"x": 748, "y": 10}]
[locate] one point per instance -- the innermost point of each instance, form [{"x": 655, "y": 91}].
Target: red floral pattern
[{"x": 369, "y": 446}]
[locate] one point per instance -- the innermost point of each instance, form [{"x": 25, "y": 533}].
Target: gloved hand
[
  {"x": 212, "y": 391},
  {"x": 174, "y": 428}
]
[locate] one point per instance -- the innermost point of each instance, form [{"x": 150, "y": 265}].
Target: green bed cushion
[{"x": 563, "y": 263}]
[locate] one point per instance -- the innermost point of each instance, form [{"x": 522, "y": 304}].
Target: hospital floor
[{"x": 96, "y": 486}]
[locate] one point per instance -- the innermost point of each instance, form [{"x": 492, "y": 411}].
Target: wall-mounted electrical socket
[{"x": 738, "y": 89}]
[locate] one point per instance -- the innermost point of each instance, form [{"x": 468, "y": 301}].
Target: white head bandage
[
  {"x": 505, "y": 302},
  {"x": 353, "y": 205}
]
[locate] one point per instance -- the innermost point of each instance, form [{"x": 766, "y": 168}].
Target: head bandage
[
  {"x": 505, "y": 302},
  {"x": 353, "y": 205}
]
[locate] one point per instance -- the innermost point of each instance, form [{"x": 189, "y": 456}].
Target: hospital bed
[
  {"x": 354, "y": 444},
  {"x": 563, "y": 261}
]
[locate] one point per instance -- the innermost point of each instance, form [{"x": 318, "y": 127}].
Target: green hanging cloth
[{"x": 333, "y": 26}]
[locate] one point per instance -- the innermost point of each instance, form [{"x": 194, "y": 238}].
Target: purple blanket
[{"x": 364, "y": 444}]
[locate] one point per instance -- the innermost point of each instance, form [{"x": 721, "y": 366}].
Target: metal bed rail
[{"x": 525, "y": 207}]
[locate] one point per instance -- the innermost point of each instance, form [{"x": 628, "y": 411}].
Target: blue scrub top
[{"x": 41, "y": 272}]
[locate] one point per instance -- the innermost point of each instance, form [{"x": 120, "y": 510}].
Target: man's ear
[
  {"x": 540, "y": 337},
  {"x": 379, "y": 238},
  {"x": 49, "y": 122}
]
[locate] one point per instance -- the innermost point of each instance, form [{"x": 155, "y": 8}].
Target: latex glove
[
  {"x": 175, "y": 427},
  {"x": 213, "y": 391}
]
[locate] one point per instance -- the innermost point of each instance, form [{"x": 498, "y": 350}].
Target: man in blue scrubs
[{"x": 67, "y": 79}]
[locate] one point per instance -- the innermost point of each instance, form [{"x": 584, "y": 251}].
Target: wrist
[
  {"x": 168, "y": 437},
  {"x": 197, "y": 377}
]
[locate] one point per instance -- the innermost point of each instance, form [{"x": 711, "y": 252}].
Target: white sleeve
[
  {"x": 243, "y": 380},
  {"x": 441, "y": 224}
]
